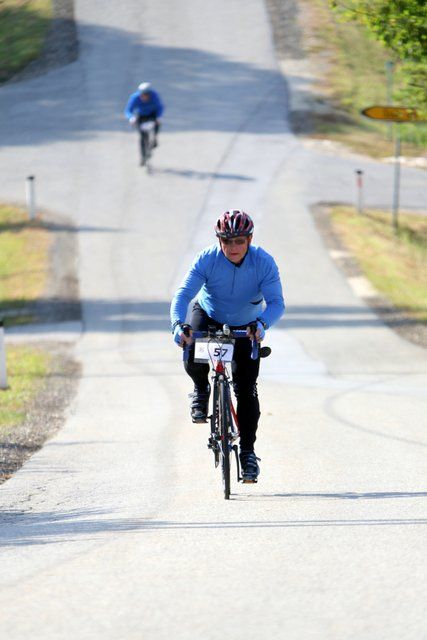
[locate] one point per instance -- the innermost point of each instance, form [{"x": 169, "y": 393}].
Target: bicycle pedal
[{"x": 199, "y": 421}]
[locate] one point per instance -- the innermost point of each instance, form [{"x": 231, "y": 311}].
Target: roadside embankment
[
  {"x": 35, "y": 36},
  {"x": 334, "y": 69},
  {"x": 387, "y": 268},
  {"x": 42, "y": 377}
]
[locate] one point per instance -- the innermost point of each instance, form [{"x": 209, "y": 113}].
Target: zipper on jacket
[{"x": 234, "y": 278}]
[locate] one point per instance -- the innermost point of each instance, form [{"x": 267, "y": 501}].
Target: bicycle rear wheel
[{"x": 224, "y": 419}]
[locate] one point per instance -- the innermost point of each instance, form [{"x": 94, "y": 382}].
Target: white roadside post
[
  {"x": 30, "y": 196},
  {"x": 3, "y": 374},
  {"x": 359, "y": 183}
]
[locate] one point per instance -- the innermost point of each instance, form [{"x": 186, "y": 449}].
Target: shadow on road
[
  {"x": 201, "y": 175},
  {"x": 202, "y": 91},
  {"x": 350, "y": 495},
  {"x": 57, "y": 227},
  {"x": 326, "y": 316},
  {"x": 134, "y": 315},
  {"x": 100, "y": 316},
  {"x": 48, "y": 527}
]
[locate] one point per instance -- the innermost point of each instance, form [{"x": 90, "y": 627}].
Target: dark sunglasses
[{"x": 227, "y": 241}]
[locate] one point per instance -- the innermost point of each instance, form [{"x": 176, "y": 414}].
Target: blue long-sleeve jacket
[
  {"x": 136, "y": 105},
  {"x": 231, "y": 294}
]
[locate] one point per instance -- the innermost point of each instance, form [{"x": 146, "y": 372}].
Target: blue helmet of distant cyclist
[{"x": 234, "y": 223}]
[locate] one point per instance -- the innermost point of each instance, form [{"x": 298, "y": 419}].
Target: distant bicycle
[
  {"x": 145, "y": 105},
  {"x": 148, "y": 137},
  {"x": 216, "y": 348}
]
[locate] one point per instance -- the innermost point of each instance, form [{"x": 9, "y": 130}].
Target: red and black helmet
[{"x": 234, "y": 223}]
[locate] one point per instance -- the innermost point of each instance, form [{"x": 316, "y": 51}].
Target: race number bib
[{"x": 206, "y": 350}]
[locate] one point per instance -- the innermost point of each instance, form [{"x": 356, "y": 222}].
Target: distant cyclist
[
  {"x": 145, "y": 104},
  {"x": 237, "y": 284}
]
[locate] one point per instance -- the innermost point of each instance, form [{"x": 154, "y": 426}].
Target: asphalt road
[{"x": 117, "y": 528}]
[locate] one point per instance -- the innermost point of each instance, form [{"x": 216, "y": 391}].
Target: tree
[{"x": 401, "y": 25}]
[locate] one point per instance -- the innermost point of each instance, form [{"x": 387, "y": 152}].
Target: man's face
[
  {"x": 145, "y": 97},
  {"x": 235, "y": 248}
]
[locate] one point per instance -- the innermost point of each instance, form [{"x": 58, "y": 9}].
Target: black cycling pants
[
  {"x": 151, "y": 116},
  {"x": 245, "y": 373}
]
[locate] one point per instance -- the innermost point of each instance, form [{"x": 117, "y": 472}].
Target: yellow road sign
[{"x": 393, "y": 114}]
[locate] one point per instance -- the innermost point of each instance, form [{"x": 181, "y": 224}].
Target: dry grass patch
[
  {"x": 395, "y": 263},
  {"x": 27, "y": 368},
  {"x": 24, "y": 261}
]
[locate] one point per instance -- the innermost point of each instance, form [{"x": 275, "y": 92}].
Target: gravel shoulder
[
  {"x": 293, "y": 35},
  {"x": 46, "y": 414},
  {"x": 60, "y": 303}
]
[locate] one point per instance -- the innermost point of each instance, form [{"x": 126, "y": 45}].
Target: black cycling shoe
[
  {"x": 199, "y": 404},
  {"x": 250, "y": 467}
]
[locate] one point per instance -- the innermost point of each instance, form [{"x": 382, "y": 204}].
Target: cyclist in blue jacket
[
  {"x": 145, "y": 104},
  {"x": 237, "y": 284}
]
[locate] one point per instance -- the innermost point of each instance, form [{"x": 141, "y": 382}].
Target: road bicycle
[{"x": 216, "y": 347}]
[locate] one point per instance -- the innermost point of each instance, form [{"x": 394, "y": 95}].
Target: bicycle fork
[
  {"x": 214, "y": 438},
  {"x": 236, "y": 453}
]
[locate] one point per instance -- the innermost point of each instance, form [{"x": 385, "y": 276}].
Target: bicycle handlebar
[{"x": 221, "y": 335}]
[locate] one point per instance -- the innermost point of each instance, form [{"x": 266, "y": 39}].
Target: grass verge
[
  {"x": 27, "y": 369},
  {"x": 395, "y": 263},
  {"x": 23, "y": 28},
  {"x": 24, "y": 263},
  {"x": 354, "y": 77},
  {"x": 41, "y": 380}
]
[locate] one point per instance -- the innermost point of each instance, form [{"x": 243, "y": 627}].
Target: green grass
[
  {"x": 24, "y": 263},
  {"x": 27, "y": 368},
  {"x": 395, "y": 263},
  {"x": 355, "y": 78},
  {"x": 23, "y": 28}
]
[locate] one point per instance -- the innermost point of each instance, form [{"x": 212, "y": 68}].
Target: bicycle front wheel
[
  {"x": 145, "y": 151},
  {"x": 224, "y": 419}
]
